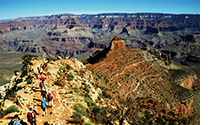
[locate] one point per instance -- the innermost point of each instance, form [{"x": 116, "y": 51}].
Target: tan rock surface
[{"x": 63, "y": 104}]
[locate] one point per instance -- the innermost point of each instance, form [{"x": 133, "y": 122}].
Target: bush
[
  {"x": 77, "y": 118},
  {"x": 150, "y": 101},
  {"x": 89, "y": 101},
  {"x": 2, "y": 113},
  {"x": 76, "y": 90},
  {"x": 51, "y": 59},
  {"x": 27, "y": 61},
  {"x": 11, "y": 109},
  {"x": 70, "y": 76},
  {"x": 164, "y": 111},
  {"x": 28, "y": 81},
  {"x": 9, "y": 94},
  {"x": 74, "y": 99},
  {"x": 69, "y": 67},
  {"x": 58, "y": 73},
  {"x": 88, "y": 124},
  {"x": 80, "y": 109}
]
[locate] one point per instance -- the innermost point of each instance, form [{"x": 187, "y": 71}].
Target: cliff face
[
  {"x": 138, "y": 74},
  {"x": 65, "y": 30}
]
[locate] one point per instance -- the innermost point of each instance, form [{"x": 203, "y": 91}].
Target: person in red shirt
[{"x": 31, "y": 116}]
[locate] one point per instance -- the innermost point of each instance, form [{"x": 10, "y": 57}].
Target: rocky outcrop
[
  {"x": 117, "y": 43},
  {"x": 158, "y": 54},
  {"x": 28, "y": 95},
  {"x": 12, "y": 86}
]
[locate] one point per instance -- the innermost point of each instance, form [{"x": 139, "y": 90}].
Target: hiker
[
  {"x": 50, "y": 98},
  {"x": 42, "y": 83},
  {"x": 14, "y": 120},
  {"x": 31, "y": 116},
  {"x": 43, "y": 106},
  {"x": 43, "y": 93},
  {"x": 42, "y": 79},
  {"x": 40, "y": 70}
]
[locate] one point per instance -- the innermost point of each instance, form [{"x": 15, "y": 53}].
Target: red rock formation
[
  {"x": 117, "y": 43},
  {"x": 121, "y": 65}
]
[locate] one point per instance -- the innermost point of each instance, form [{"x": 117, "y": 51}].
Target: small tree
[{"x": 27, "y": 61}]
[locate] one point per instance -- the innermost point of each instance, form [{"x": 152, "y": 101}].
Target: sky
[{"x": 27, "y": 8}]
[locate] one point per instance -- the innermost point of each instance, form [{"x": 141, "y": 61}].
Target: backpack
[
  {"x": 41, "y": 84},
  {"x": 43, "y": 103},
  {"x": 31, "y": 116},
  {"x": 49, "y": 96},
  {"x": 12, "y": 122},
  {"x": 42, "y": 78},
  {"x": 43, "y": 93}
]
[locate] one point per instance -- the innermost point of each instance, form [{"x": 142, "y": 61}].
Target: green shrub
[
  {"x": 100, "y": 114},
  {"x": 2, "y": 113},
  {"x": 80, "y": 109},
  {"x": 51, "y": 59},
  {"x": 28, "y": 81},
  {"x": 89, "y": 101},
  {"x": 96, "y": 109},
  {"x": 70, "y": 77},
  {"x": 69, "y": 67},
  {"x": 87, "y": 89},
  {"x": 11, "y": 109},
  {"x": 27, "y": 61},
  {"x": 74, "y": 99},
  {"x": 76, "y": 89},
  {"x": 77, "y": 118},
  {"x": 58, "y": 73},
  {"x": 88, "y": 124},
  {"x": 150, "y": 101},
  {"x": 9, "y": 94}
]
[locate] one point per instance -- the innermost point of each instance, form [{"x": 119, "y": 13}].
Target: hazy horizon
[{"x": 12, "y": 9}]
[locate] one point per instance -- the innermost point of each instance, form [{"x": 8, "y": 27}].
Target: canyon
[
  {"x": 151, "y": 65},
  {"x": 70, "y": 35}
]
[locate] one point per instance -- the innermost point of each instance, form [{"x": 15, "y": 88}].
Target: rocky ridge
[
  {"x": 138, "y": 73},
  {"x": 27, "y": 95}
]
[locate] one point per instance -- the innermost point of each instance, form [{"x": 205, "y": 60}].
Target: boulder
[
  {"x": 22, "y": 84},
  {"x": 189, "y": 82},
  {"x": 7, "y": 104}
]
